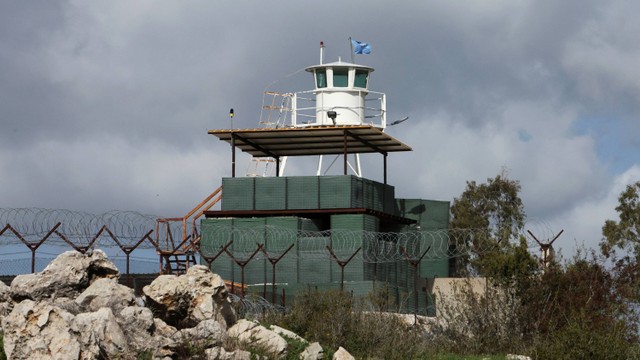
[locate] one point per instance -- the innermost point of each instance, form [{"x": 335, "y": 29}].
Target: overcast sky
[{"x": 105, "y": 104}]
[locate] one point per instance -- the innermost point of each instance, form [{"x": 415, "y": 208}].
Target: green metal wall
[
  {"x": 433, "y": 219},
  {"x": 308, "y": 265},
  {"x": 307, "y": 192}
]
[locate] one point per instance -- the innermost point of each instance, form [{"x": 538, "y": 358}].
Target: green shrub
[
  {"x": 580, "y": 339},
  {"x": 335, "y": 319}
]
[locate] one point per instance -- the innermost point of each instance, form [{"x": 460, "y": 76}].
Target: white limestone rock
[
  {"x": 106, "y": 292},
  {"x": 219, "y": 353},
  {"x": 38, "y": 330},
  {"x": 249, "y": 332},
  {"x": 342, "y": 354},
  {"x": 184, "y": 301},
  {"x": 66, "y": 276},
  {"x": 312, "y": 352},
  {"x": 6, "y": 304},
  {"x": 208, "y": 332},
  {"x": 99, "y": 334}
]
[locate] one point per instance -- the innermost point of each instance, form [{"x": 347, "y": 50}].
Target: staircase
[{"x": 176, "y": 259}]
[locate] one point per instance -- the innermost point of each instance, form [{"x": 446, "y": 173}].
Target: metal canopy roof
[{"x": 316, "y": 140}]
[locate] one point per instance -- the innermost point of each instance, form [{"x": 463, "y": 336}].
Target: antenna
[{"x": 321, "y": 52}]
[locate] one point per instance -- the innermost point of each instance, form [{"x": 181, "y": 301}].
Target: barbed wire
[{"x": 64, "y": 228}]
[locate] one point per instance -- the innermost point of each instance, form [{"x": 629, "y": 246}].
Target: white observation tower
[
  {"x": 341, "y": 98},
  {"x": 340, "y": 116}
]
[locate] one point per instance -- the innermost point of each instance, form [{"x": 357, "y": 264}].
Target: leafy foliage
[
  {"x": 624, "y": 234},
  {"x": 496, "y": 213},
  {"x": 334, "y": 319}
]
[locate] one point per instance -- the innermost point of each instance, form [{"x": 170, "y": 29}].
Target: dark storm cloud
[{"x": 118, "y": 95}]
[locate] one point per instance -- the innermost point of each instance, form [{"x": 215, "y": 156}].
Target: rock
[
  {"x": 67, "y": 304},
  {"x": 99, "y": 335},
  {"x": 39, "y": 331},
  {"x": 219, "y": 353},
  {"x": 342, "y": 354},
  {"x": 312, "y": 352},
  {"x": 6, "y": 304},
  {"x": 106, "y": 292},
  {"x": 81, "y": 312},
  {"x": 209, "y": 331},
  {"x": 249, "y": 332},
  {"x": 67, "y": 275},
  {"x": 136, "y": 317},
  {"x": 183, "y": 301},
  {"x": 163, "y": 339},
  {"x": 138, "y": 326},
  {"x": 288, "y": 333},
  {"x": 517, "y": 357}
]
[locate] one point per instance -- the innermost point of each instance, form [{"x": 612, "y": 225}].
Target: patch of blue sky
[
  {"x": 524, "y": 135},
  {"x": 617, "y": 144}
]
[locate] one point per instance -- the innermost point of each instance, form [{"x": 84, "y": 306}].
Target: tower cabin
[{"x": 341, "y": 91}]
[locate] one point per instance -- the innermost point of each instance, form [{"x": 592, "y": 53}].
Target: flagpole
[{"x": 351, "y": 45}]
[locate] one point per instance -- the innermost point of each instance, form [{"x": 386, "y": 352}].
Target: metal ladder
[{"x": 274, "y": 114}]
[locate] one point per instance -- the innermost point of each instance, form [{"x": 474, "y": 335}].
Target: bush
[
  {"x": 481, "y": 323},
  {"x": 335, "y": 318},
  {"x": 579, "y": 339}
]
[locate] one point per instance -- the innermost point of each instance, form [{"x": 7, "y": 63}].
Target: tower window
[
  {"x": 361, "y": 78},
  {"x": 321, "y": 78},
  {"x": 341, "y": 77}
]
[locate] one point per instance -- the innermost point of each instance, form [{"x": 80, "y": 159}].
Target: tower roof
[
  {"x": 339, "y": 64},
  {"x": 317, "y": 140}
]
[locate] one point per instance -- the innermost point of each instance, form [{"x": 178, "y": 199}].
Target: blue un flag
[{"x": 360, "y": 47}]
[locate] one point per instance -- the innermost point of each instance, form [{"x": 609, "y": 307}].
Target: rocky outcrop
[
  {"x": 99, "y": 335},
  {"x": 39, "y": 331},
  {"x": 76, "y": 309},
  {"x": 251, "y": 332},
  {"x": 66, "y": 276},
  {"x": 108, "y": 293},
  {"x": 184, "y": 301}
]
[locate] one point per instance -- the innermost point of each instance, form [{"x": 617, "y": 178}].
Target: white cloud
[
  {"x": 583, "y": 222},
  {"x": 105, "y": 104},
  {"x": 106, "y": 172}
]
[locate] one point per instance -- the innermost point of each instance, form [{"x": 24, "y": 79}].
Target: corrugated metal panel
[
  {"x": 238, "y": 193},
  {"x": 216, "y": 233},
  {"x": 281, "y": 233},
  {"x": 313, "y": 268},
  {"x": 302, "y": 192},
  {"x": 270, "y": 193},
  {"x": 335, "y": 192},
  {"x": 430, "y": 214},
  {"x": 436, "y": 216},
  {"x": 354, "y": 222},
  {"x": 348, "y": 234},
  {"x": 434, "y": 264},
  {"x": 357, "y": 192},
  {"x": 245, "y": 243},
  {"x": 390, "y": 206},
  {"x": 310, "y": 225}
]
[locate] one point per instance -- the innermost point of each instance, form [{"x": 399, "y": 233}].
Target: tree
[
  {"x": 487, "y": 222},
  {"x": 624, "y": 234}
]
